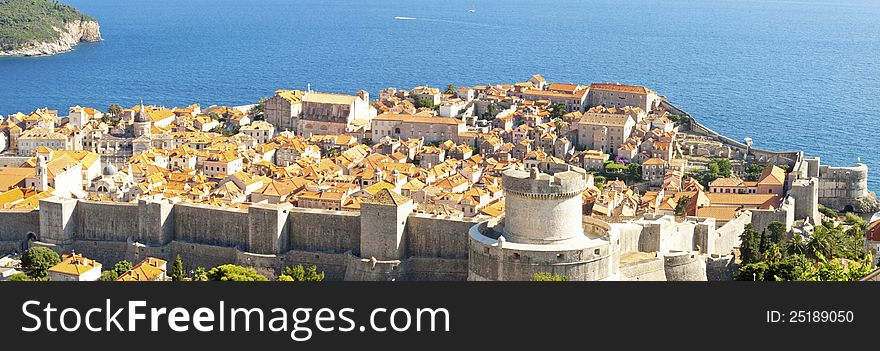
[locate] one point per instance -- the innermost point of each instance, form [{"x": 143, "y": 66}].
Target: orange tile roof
[
  {"x": 772, "y": 175},
  {"x": 727, "y": 182},
  {"x": 147, "y": 270},
  {"x": 654, "y": 161},
  {"x": 74, "y": 265},
  {"x": 416, "y": 119}
]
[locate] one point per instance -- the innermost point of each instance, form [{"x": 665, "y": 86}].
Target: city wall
[{"x": 266, "y": 237}]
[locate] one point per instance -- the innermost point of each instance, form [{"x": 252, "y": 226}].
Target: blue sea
[{"x": 789, "y": 74}]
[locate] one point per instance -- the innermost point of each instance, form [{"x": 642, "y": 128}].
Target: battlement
[{"x": 563, "y": 182}]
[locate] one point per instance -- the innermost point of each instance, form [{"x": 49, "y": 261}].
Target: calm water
[{"x": 789, "y": 74}]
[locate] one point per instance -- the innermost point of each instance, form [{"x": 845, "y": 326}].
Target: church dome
[{"x": 109, "y": 170}]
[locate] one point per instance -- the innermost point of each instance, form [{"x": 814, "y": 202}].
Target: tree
[
  {"x": 200, "y": 275},
  {"x": 724, "y": 169},
  {"x": 450, "y": 89},
  {"x": 19, "y": 277},
  {"x": 750, "y": 247},
  {"x": 635, "y": 171},
  {"x": 788, "y": 268},
  {"x": 820, "y": 243},
  {"x": 37, "y": 261},
  {"x": 773, "y": 254},
  {"x": 299, "y": 274},
  {"x": 108, "y": 276},
  {"x": 764, "y": 242},
  {"x": 425, "y": 102},
  {"x": 177, "y": 273},
  {"x": 114, "y": 110},
  {"x": 491, "y": 111},
  {"x": 549, "y": 277},
  {"x": 681, "y": 206},
  {"x": 797, "y": 245},
  {"x": 827, "y": 212},
  {"x": 837, "y": 269},
  {"x": 121, "y": 267},
  {"x": 234, "y": 273},
  {"x": 777, "y": 233},
  {"x": 260, "y": 108},
  {"x": 855, "y": 221},
  {"x": 559, "y": 110}
]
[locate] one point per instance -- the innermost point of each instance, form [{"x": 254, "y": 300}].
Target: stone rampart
[{"x": 684, "y": 266}]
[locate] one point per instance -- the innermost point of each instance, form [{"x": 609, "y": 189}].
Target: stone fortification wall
[
  {"x": 431, "y": 236},
  {"x": 785, "y": 214},
  {"x": 651, "y": 269},
  {"x": 266, "y": 237},
  {"x": 728, "y": 234},
  {"x": 270, "y": 238},
  {"x": 721, "y": 267},
  {"x": 324, "y": 231},
  {"x": 806, "y": 195},
  {"x": 333, "y": 264},
  {"x": 684, "y": 266},
  {"x": 371, "y": 269},
  {"x": 497, "y": 260},
  {"x": 16, "y": 225},
  {"x": 200, "y": 224},
  {"x": 663, "y": 234},
  {"x": 841, "y": 188},
  {"x": 102, "y": 221},
  {"x": 435, "y": 269}
]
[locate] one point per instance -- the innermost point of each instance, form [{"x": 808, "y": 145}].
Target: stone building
[
  {"x": 74, "y": 267},
  {"x": 653, "y": 171},
  {"x": 283, "y": 109},
  {"x": 432, "y": 129},
  {"x": 622, "y": 95},
  {"x": 34, "y": 138},
  {"x": 573, "y": 101},
  {"x": 324, "y": 113},
  {"x": 262, "y": 131},
  {"x": 605, "y": 129}
]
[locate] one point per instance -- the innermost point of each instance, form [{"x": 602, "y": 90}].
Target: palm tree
[
  {"x": 819, "y": 244},
  {"x": 114, "y": 110},
  {"x": 797, "y": 245}
]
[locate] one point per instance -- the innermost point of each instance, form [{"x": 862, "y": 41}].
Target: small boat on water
[{"x": 404, "y": 18}]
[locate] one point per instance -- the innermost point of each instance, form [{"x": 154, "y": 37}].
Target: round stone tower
[
  {"x": 541, "y": 208},
  {"x": 542, "y": 231}
]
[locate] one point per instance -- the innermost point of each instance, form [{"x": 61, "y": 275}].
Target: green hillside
[{"x": 22, "y": 21}]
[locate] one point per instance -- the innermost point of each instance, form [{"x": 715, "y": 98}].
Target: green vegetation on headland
[
  {"x": 25, "y": 21},
  {"x": 833, "y": 252}
]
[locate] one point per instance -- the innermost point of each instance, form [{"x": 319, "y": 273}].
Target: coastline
[{"x": 73, "y": 33}]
